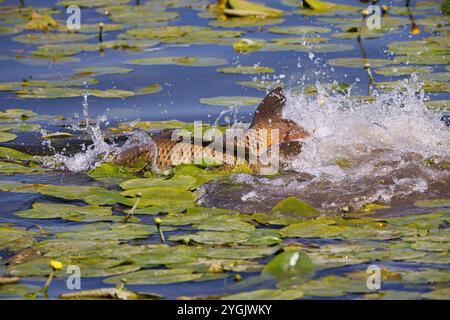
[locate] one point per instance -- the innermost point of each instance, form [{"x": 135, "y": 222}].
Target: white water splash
[
  {"x": 98, "y": 151},
  {"x": 393, "y": 125}
]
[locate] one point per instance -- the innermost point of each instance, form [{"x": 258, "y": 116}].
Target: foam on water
[
  {"x": 393, "y": 125},
  {"x": 359, "y": 152}
]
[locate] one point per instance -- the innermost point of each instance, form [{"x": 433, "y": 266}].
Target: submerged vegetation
[{"x": 135, "y": 230}]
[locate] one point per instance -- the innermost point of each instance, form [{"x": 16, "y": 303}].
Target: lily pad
[
  {"x": 68, "y": 212},
  {"x": 296, "y": 206},
  {"x": 156, "y": 276},
  {"x": 46, "y": 38},
  {"x": 402, "y": 70},
  {"x": 246, "y": 70},
  {"x": 230, "y": 101},
  {"x": 5, "y": 137},
  {"x": 299, "y": 30},
  {"x": 289, "y": 265},
  {"x": 100, "y": 70},
  {"x": 180, "y": 61},
  {"x": 266, "y": 294},
  {"x": 359, "y": 63}
]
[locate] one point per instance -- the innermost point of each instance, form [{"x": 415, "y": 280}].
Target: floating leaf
[
  {"x": 266, "y": 294},
  {"x": 231, "y": 101},
  {"x": 289, "y": 265},
  {"x": 248, "y": 45},
  {"x": 260, "y": 84},
  {"x": 99, "y": 71},
  {"x": 438, "y": 104},
  {"x": 5, "y": 137},
  {"x": 46, "y": 38},
  {"x": 68, "y": 212},
  {"x": 180, "y": 61},
  {"x": 246, "y": 70},
  {"x": 358, "y": 62},
  {"x": 299, "y": 30},
  {"x": 402, "y": 70},
  {"x": 243, "y": 8},
  {"x": 156, "y": 276},
  {"x": 153, "y": 88},
  {"x": 438, "y": 294},
  {"x": 294, "y": 205},
  {"x": 184, "y": 182},
  {"x": 10, "y": 168}
]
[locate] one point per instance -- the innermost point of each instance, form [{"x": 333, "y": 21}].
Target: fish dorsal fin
[{"x": 270, "y": 110}]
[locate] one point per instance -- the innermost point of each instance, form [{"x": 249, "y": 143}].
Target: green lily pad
[
  {"x": 260, "y": 84},
  {"x": 266, "y": 294},
  {"x": 289, "y": 265},
  {"x": 402, "y": 70},
  {"x": 91, "y": 4},
  {"x": 246, "y": 70},
  {"x": 57, "y": 93},
  {"x": 12, "y": 154},
  {"x": 180, "y": 61},
  {"x": 299, "y": 30},
  {"x": 438, "y": 104},
  {"x": 317, "y": 7},
  {"x": 358, "y": 62},
  {"x": 100, "y": 71},
  {"x": 333, "y": 286},
  {"x": 242, "y": 22},
  {"x": 230, "y": 101},
  {"x": 152, "y": 88},
  {"x": 296, "y": 206},
  {"x": 110, "y": 173},
  {"x": 5, "y": 137},
  {"x": 47, "y": 38},
  {"x": 17, "y": 291},
  {"x": 248, "y": 45},
  {"x": 433, "y": 203},
  {"x": 428, "y": 86},
  {"x": 243, "y": 8},
  {"x": 105, "y": 231},
  {"x": 184, "y": 182},
  {"x": 11, "y": 168},
  {"x": 225, "y": 223},
  {"x": 212, "y": 237},
  {"x": 68, "y": 212},
  {"x": 155, "y": 276},
  {"x": 260, "y": 237},
  {"x": 135, "y": 15},
  {"x": 162, "y": 196},
  {"x": 183, "y": 35},
  {"x": 14, "y": 238},
  {"x": 430, "y": 59},
  {"x": 438, "y": 294}
]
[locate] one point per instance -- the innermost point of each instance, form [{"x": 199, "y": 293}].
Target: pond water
[{"x": 370, "y": 187}]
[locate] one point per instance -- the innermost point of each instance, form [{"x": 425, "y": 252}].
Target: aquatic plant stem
[
  {"x": 158, "y": 223},
  {"x": 136, "y": 203},
  {"x": 100, "y": 32},
  {"x": 48, "y": 282}
]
